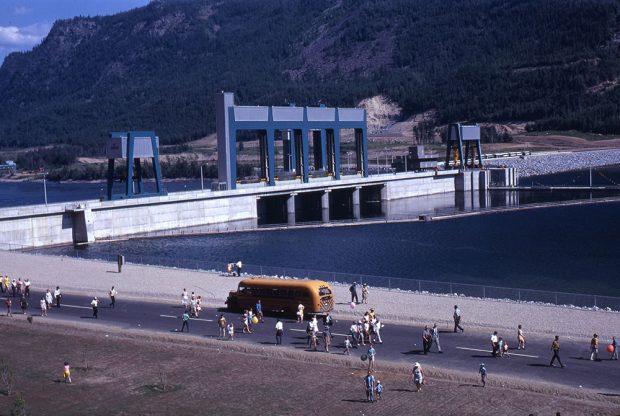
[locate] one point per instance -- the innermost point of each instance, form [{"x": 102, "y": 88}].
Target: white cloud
[
  {"x": 20, "y": 38},
  {"x": 21, "y": 10}
]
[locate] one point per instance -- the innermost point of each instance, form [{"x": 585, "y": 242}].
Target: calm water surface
[{"x": 566, "y": 248}]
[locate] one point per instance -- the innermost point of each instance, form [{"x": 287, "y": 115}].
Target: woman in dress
[{"x": 418, "y": 376}]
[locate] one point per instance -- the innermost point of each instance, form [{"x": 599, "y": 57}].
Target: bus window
[{"x": 324, "y": 291}]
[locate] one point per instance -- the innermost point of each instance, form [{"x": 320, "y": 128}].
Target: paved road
[{"x": 402, "y": 344}]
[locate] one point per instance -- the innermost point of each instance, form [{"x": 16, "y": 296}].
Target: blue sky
[{"x": 24, "y": 23}]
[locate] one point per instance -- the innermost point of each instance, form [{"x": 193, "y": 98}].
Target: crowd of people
[{"x": 364, "y": 332}]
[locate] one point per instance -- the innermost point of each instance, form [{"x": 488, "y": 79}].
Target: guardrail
[{"x": 394, "y": 283}]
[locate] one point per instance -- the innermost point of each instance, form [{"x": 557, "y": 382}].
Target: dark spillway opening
[
  {"x": 308, "y": 207},
  {"x": 370, "y": 201},
  {"x": 341, "y": 204},
  {"x": 272, "y": 210}
]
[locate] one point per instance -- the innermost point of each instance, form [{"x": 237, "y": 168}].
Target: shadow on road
[
  {"x": 355, "y": 400},
  {"x": 413, "y": 352},
  {"x": 538, "y": 365}
]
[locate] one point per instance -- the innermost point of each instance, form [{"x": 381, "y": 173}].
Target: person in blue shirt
[
  {"x": 614, "y": 344},
  {"x": 185, "y": 319},
  {"x": 259, "y": 311},
  {"x": 379, "y": 389},
  {"x": 483, "y": 374},
  {"x": 369, "y": 383},
  {"x": 371, "y": 358}
]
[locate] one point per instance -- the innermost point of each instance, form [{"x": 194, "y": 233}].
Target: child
[
  {"x": 67, "y": 373},
  {"x": 483, "y": 374},
  {"x": 231, "y": 331},
  {"x": 379, "y": 389},
  {"x": 347, "y": 346}
]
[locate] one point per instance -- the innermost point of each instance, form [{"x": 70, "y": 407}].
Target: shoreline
[{"x": 165, "y": 284}]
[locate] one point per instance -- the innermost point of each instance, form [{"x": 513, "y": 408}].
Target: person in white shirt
[
  {"x": 494, "y": 343},
  {"x": 43, "y": 304},
  {"x": 113, "y": 294},
  {"x": 239, "y": 266},
  {"x": 57, "y": 296},
  {"x": 279, "y": 332},
  {"x": 48, "y": 299},
  {"x": 95, "y": 305}
]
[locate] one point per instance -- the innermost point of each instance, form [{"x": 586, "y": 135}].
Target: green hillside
[{"x": 552, "y": 63}]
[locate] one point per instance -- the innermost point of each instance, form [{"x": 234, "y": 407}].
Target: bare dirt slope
[{"x": 120, "y": 373}]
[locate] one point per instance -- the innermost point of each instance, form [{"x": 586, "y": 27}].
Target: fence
[{"x": 394, "y": 283}]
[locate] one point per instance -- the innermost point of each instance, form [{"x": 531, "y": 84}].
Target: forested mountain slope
[{"x": 552, "y": 63}]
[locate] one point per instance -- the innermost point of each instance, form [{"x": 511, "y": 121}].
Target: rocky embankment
[{"x": 543, "y": 164}]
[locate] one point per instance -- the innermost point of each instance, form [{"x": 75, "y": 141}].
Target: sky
[{"x": 24, "y": 23}]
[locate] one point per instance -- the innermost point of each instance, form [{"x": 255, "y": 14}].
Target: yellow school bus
[{"x": 279, "y": 295}]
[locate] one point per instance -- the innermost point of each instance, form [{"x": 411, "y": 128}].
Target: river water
[{"x": 561, "y": 248}]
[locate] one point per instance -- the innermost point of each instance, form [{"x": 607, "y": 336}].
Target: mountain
[{"x": 552, "y": 63}]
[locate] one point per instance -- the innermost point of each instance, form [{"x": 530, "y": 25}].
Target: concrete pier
[
  {"x": 290, "y": 209},
  {"x": 325, "y": 206}
]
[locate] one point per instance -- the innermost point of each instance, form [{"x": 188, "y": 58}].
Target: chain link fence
[{"x": 392, "y": 283}]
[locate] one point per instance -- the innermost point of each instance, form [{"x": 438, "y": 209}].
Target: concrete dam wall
[{"x": 206, "y": 211}]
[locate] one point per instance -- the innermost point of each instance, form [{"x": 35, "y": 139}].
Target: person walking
[
  {"x": 483, "y": 374},
  {"x": 23, "y": 303},
  {"x": 353, "y": 290},
  {"x": 555, "y": 347},
  {"x": 376, "y": 329},
  {"x": 113, "y": 294},
  {"x": 520, "y": 338},
  {"x": 494, "y": 344},
  {"x": 49, "y": 299},
  {"x": 67, "y": 373},
  {"x": 379, "y": 389},
  {"x": 231, "y": 331},
  {"x": 418, "y": 376},
  {"x": 614, "y": 351},
  {"x": 185, "y": 319},
  {"x": 327, "y": 337},
  {"x": 371, "y": 353},
  {"x": 457, "y": 319},
  {"x": 347, "y": 346},
  {"x": 95, "y": 304},
  {"x": 279, "y": 332},
  {"x": 57, "y": 296},
  {"x": 8, "y": 302},
  {"x": 300, "y": 313},
  {"x": 427, "y": 339},
  {"x": 369, "y": 383},
  {"x": 185, "y": 299},
  {"x": 259, "y": 311},
  {"x": 594, "y": 348},
  {"x": 229, "y": 268},
  {"x": 27, "y": 288},
  {"x": 43, "y": 305},
  {"x": 239, "y": 267},
  {"x": 435, "y": 338},
  {"x": 221, "y": 323},
  {"x": 365, "y": 293}
]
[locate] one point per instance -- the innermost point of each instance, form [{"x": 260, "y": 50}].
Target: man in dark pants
[
  {"x": 457, "y": 319},
  {"x": 185, "y": 318},
  {"x": 555, "y": 347},
  {"x": 95, "y": 305},
  {"x": 353, "y": 290},
  {"x": 427, "y": 339}
]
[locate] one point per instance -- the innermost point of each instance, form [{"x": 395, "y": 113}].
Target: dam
[{"x": 234, "y": 206}]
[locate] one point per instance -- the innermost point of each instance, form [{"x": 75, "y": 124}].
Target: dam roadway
[{"x": 402, "y": 343}]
